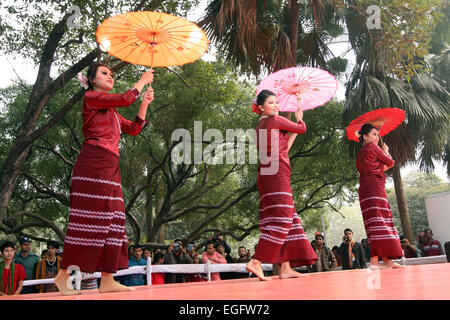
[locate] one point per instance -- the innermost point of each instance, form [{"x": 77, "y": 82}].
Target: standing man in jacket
[
  {"x": 352, "y": 252},
  {"x": 326, "y": 261}
]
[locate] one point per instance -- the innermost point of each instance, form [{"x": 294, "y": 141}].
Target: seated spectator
[
  {"x": 176, "y": 254},
  {"x": 228, "y": 258},
  {"x": 29, "y": 261},
  {"x": 215, "y": 239},
  {"x": 158, "y": 277},
  {"x": 44, "y": 254},
  {"x": 137, "y": 279},
  {"x": 12, "y": 274},
  {"x": 146, "y": 253},
  {"x": 409, "y": 251},
  {"x": 195, "y": 277},
  {"x": 352, "y": 252},
  {"x": 221, "y": 249},
  {"x": 192, "y": 250},
  {"x": 214, "y": 257},
  {"x": 130, "y": 251},
  {"x": 338, "y": 257},
  {"x": 244, "y": 255},
  {"x": 420, "y": 241},
  {"x": 431, "y": 247},
  {"x": 366, "y": 249},
  {"x": 48, "y": 268},
  {"x": 326, "y": 261}
]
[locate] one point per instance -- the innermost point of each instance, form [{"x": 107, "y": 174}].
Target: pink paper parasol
[{"x": 300, "y": 86}]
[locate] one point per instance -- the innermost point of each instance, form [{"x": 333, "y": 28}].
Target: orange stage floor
[{"x": 418, "y": 282}]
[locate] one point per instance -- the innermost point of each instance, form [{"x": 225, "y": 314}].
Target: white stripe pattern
[
  {"x": 276, "y": 229},
  {"x": 95, "y": 196},
  {"x": 275, "y": 193},
  {"x": 275, "y": 219},
  {"x": 372, "y": 208},
  {"x": 295, "y": 237},
  {"x": 87, "y": 227},
  {"x": 382, "y": 228},
  {"x": 370, "y": 198},
  {"x": 96, "y": 180},
  {"x": 84, "y": 241},
  {"x": 119, "y": 215},
  {"x": 114, "y": 242},
  {"x": 384, "y": 237},
  {"x": 273, "y": 239},
  {"x": 379, "y": 219},
  {"x": 277, "y": 206},
  {"x": 91, "y": 214}
]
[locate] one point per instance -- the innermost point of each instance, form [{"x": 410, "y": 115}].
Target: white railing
[{"x": 206, "y": 268}]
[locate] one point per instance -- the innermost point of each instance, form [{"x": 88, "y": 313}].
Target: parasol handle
[{"x": 382, "y": 142}]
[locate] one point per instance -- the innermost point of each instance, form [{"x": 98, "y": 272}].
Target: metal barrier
[{"x": 206, "y": 268}]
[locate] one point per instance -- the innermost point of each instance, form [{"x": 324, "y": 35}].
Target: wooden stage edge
[{"x": 416, "y": 282}]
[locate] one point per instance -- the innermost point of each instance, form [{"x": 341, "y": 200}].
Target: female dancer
[
  {"x": 283, "y": 240},
  {"x": 96, "y": 239},
  {"x": 371, "y": 163}
]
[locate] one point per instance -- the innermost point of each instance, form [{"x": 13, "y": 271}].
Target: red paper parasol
[{"x": 386, "y": 119}]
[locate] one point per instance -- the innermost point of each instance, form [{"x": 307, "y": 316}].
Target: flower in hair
[
  {"x": 255, "y": 108},
  {"x": 83, "y": 80}
]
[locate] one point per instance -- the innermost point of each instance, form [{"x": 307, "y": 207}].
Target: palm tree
[
  {"x": 373, "y": 85},
  {"x": 269, "y": 34}
]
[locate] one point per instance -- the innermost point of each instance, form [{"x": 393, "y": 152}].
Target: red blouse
[
  {"x": 284, "y": 126},
  {"x": 103, "y": 124},
  {"x": 371, "y": 160}
]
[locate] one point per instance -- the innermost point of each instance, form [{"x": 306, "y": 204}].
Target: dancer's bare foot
[
  {"x": 287, "y": 272},
  {"x": 254, "y": 266},
  {"x": 64, "y": 286},
  {"x": 389, "y": 264},
  {"x": 108, "y": 284},
  {"x": 374, "y": 263}
]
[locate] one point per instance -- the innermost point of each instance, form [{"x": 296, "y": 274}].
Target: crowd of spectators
[{"x": 17, "y": 266}]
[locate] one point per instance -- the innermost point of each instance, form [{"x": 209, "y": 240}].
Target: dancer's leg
[
  {"x": 108, "y": 284},
  {"x": 65, "y": 287},
  {"x": 287, "y": 272},
  {"x": 254, "y": 266}
]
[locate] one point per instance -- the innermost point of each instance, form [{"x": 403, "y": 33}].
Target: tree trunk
[
  {"x": 294, "y": 13},
  {"x": 402, "y": 205}
]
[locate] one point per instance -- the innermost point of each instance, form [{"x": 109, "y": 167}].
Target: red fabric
[
  {"x": 282, "y": 235},
  {"x": 157, "y": 278},
  {"x": 103, "y": 124},
  {"x": 433, "y": 249},
  {"x": 371, "y": 160},
  {"x": 96, "y": 239},
  {"x": 19, "y": 275},
  {"x": 377, "y": 215}
]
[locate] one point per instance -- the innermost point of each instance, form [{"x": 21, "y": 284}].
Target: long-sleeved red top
[
  {"x": 284, "y": 126},
  {"x": 371, "y": 160},
  {"x": 103, "y": 124}
]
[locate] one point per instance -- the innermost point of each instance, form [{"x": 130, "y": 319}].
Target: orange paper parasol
[{"x": 152, "y": 39}]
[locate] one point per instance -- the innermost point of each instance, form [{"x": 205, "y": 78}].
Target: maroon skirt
[
  {"x": 378, "y": 219},
  {"x": 282, "y": 236},
  {"x": 96, "y": 239}
]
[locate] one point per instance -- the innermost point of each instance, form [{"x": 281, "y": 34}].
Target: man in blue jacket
[{"x": 136, "y": 259}]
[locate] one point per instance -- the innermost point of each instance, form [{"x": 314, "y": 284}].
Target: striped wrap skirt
[
  {"x": 282, "y": 236},
  {"x": 96, "y": 239},
  {"x": 383, "y": 237}
]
